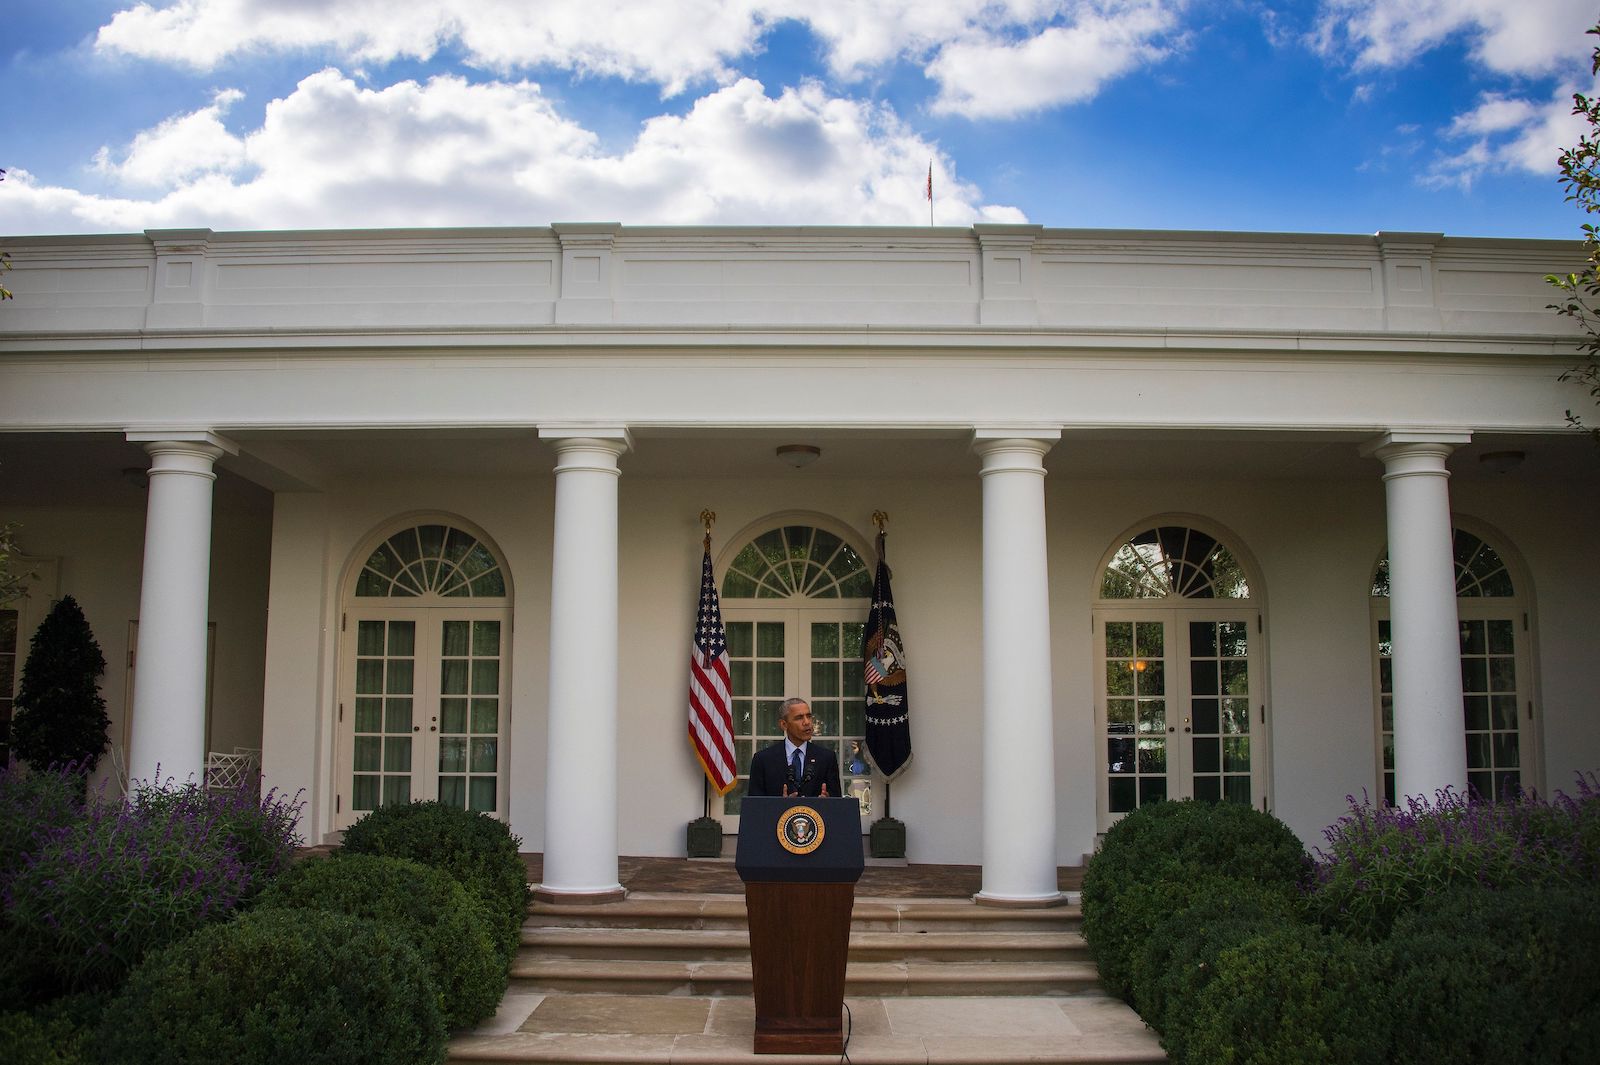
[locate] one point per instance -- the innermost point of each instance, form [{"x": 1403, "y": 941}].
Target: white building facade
[{"x": 1268, "y": 518}]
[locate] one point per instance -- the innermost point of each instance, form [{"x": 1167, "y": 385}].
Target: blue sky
[{"x": 1344, "y": 116}]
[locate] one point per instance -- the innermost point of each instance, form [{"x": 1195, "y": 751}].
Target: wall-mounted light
[{"x": 798, "y": 455}]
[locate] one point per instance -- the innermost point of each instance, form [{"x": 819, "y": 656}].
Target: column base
[
  {"x": 1021, "y": 902},
  {"x": 558, "y": 897}
]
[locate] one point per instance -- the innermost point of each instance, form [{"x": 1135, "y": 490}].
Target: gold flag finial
[
  {"x": 880, "y": 518},
  {"x": 708, "y": 518}
]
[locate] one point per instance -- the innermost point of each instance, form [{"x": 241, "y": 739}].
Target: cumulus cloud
[
  {"x": 1504, "y": 134},
  {"x": 989, "y": 57},
  {"x": 989, "y": 76},
  {"x": 333, "y": 153},
  {"x": 1529, "y": 37}
]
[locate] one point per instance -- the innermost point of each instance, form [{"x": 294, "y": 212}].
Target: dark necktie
[{"x": 797, "y": 766}]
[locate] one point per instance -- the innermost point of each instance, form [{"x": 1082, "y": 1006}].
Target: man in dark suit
[{"x": 796, "y": 766}]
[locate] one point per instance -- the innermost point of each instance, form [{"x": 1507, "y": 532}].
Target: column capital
[
  {"x": 1408, "y": 452},
  {"x": 1019, "y": 448},
  {"x": 172, "y": 439},
  {"x": 604, "y": 444}
]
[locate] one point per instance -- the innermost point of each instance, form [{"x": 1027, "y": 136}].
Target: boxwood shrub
[
  {"x": 1507, "y": 975},
  {"x": 1290, "y": 996},
  {"x": 449, "y": 928},
  {"x": 274, "y": 986},
  {"x": 1173, "y": 843},
  {"x": 1206, "y": 916},
  {"x": 475, "y": 848}
]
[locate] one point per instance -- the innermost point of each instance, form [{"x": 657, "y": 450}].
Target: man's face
[{"x": 797, "y": 724}]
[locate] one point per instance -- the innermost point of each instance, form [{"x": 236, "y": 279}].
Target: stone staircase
[{"x": 666, "y": 978}]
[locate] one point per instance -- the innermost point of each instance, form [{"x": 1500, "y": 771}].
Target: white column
[
  {"x": 169, "y": 679},
  {"x": 580, "y": 837},
  {"x": 1429, "y": 735},
  {"x": 1019, "y": 778}
]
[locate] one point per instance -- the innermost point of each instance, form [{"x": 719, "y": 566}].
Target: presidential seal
[{"x": 800, "y": 830}]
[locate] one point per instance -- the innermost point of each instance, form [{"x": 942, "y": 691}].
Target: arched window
[
  {"x": 795, "y": 598},
  {"x": 1179, "y": 701},
  {"x": 1495, "y": 692},
  {"x": 424, "y": 671}
]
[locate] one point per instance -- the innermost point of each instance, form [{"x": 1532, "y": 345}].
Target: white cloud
[
  {"x": 1528, "y": 37},
  {"x": 180, "y": 147},
  {"x": 994, "y": 77},
  {"x": 447, "y": 152},
  {"x": 1044, "y": 51},
  {"x": 1504, "y": 134}
]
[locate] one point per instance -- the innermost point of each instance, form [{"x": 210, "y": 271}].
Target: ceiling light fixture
[{"x": 799, "y": 455}]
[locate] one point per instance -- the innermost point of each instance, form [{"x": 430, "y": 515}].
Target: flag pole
[{"x": 930, "y": 223}]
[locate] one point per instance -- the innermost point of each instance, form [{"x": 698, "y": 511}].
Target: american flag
[{"x": 710, "y": 715}]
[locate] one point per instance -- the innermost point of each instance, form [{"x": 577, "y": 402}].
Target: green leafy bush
[
  {"x": 261, "y": 831},
  {"x": 475, "y": 848},
  {"x": 1176, "y": 842},
  {"x": 448, "y": 927},
  {"x": 1383, "y": 861},
  {"x": 31, "y": 1040},
  {"x": 1290, "y": 996},
  {"x": 1486, "y": 975},
  {"x": 275, "y": 986},
  {"x": 1204, "y": 917}
]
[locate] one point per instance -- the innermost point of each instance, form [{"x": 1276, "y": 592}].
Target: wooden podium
[{"x": 799, "y": 860}]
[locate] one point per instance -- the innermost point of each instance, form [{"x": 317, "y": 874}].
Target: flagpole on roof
[{"x": 930, "y": 222}]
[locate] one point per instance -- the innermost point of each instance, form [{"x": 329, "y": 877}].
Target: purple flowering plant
[
  {"x": 93, "y": 894},
  {"x": 1383, "y": 860}
]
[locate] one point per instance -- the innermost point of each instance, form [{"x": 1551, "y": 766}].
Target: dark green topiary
[
  {"x": 475, "y": 848},
  {"x": 1290, "y": 996},
  {"x": 1177, "y": 842},
  {"x": 1486, "y": 975},
  {"x": 60, "y": 717},
  {"x": 449, "y": 928},
  {"x": 277, "y": 986},
  {"x": 1203, "y": 917}
]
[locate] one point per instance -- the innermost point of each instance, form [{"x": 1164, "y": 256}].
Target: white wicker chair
[{"x": 230, "y": 772}]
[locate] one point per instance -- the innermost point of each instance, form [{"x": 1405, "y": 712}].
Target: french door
[
  {"x": 812, "y": 652},
  {"x": 1179, "y": 707},
  {"x": 422, "y": 711}
]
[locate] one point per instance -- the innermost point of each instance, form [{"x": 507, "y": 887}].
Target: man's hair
[{"x": 793, "y": 700}]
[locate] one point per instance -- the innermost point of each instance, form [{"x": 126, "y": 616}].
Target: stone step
[
  {"x": 725, "y": 944},
  {"x": 689, "y": 1030},
  {"x": 875, "y": 978},
  {"x": 868, "y": 915}
]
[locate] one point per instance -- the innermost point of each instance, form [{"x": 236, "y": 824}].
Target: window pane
[
  {"x": 452, "y": 755},
  {"x": 1238, "y": 789},
  {"x": 1152, "y": 789},
  {"x": 1202, "y": 639},
  {"x": 1119, "y": 639},
  {"x": 740, "y": 676},
  {"x": 1119, "y": 678},
  {"x": 1119, "y": 756},
  {"x": 1203, "y": 678},
  {"x": 369, "y": 637},
  {"x": 1124, "y": 794},
  {"x": 1152, "y": 679},
  {"x": 824, "y": 679},
  {"x": 453, "y": 677},
  {"x": 368, "y": 754},
  {"x": 1236, "y": 754},
  {"x": 740, "y": 638},
  {"x": 1501, "y": 637},
  {"x": 1150, "y": 638},
  {"x": 399, "y": 676},
  {"x": 454, "y": 639},
  {"x": 369, "y": 715},
  {"x": 396, "y": 790},
  {"x": 369, "y": 676},
  {"x": 397, "y": 715},
  {"x": 402, "y": 638},
  {"x": 1207, "y": 756},
  {"x": 1119, "y": 715},
  {"x": 1152, "y": 715},
  {"x": 1208, "y": 789},
  {"x": 1477, "y": 710},
  {"x": 453, "y": 791},
  {"x": 485, "y": 716},
  {"x": 769, "y": 679},
  {"x": 826, "y": 713},
  {"x": 482, "y": 797},
  {"x": 769, "y": 639},
  {"x": 452, "y": 715},
  {"x": 397, "y": 754},
  {"x": 1152, "y": 756},
  {"x": 485, "y": 676},
  {"x": 364, "y": 793},
  {"x": 824, "y": 641},
  {"x": 484, "y": 755},
  {"x": 1205, "y": 715}
]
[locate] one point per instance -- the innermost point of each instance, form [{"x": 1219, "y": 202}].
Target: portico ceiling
[{"x": 99, "y": 469}]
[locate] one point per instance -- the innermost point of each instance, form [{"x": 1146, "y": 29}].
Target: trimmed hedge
[
  {"x": 1197, "y": 923},
  {"x": 449, "y": 928},
  {"x": 276, "y": 986},
  {"x": 1290, "y": 996},
  {"x": 1485, "y": 975},
  {"x": 475, "y": 848},
  {"x": 1160, "y": 849}
]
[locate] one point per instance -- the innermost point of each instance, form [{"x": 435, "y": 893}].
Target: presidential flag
[
  {"x": 883, "y": 661},
  {"x": 710, "y": 711}
]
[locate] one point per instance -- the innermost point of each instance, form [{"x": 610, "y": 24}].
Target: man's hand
[{"x": 824, "y": 790}]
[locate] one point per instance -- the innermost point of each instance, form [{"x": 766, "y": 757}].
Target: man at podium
[{"x": 795, "y": 766}]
